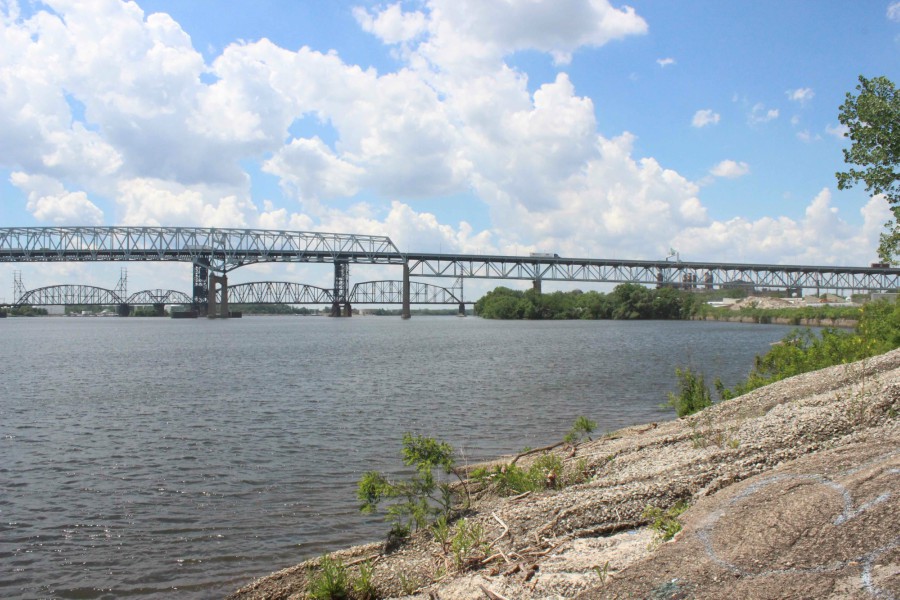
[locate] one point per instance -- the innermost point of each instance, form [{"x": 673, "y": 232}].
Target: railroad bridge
[{"x": 213, "y": 253}]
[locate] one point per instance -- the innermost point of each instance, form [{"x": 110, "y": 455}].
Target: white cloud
[
  {"x": 468, "y": 33},
  {"x": 392, "y": 25},
  {"x": 839, "y": 131},
  {"x": 49, "y": 201},
  {"x": 801, "y": 95},
  {"x": 820, "y": 237},
  {"x": 760, "y": 114},
  {"x": 705, "y": 117},
  {"x": 730, "y": 169},
  {"x": 893, "y": 11},
  {"x": 665, "y": 62},
  {"x": 154, "y": 202}
]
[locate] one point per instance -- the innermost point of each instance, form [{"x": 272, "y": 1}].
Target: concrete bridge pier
[
  {"x": 218, "y": 310},
  {"x": 536, "y": 285},
  {"x": 123, "y": 309},
  {"x": 462, "y": 309},
  {"x": 159, "y": 309},
  {"x": 404, "y": 311}
]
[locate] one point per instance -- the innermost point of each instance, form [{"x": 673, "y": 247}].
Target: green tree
[{"x": 872, "y": 118}]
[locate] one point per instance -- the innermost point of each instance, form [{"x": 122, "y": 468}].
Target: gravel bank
[{"x": 811, "y": 463}]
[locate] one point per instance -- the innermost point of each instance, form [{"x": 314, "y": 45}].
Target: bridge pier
[
  {"x": 536, "y": 285},
  {"x": 159, "y": 309},
  {"x": 462, "y": 309},
  {"x": 216, "y": 309},
  {"x": 405, "y": 313},
  {"x": 201, "y": 287},
  {"x": 341, "y": 290}
]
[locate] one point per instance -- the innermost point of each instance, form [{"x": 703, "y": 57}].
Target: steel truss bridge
[{"x": 213, "y": 253}]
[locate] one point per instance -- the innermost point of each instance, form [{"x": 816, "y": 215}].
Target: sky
[{"x": 587, "y": 128}]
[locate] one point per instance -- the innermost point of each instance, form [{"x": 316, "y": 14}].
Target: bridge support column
[
  {"x": 536, "y": 285},
  {"x": 462, "y": 309},
  {"x": 341, "y": 289},
  {"x": 123, "y": 310},
  {"x": 159, "y": 309},
  {"x": 405, "y": 313},
  {"x": 348, "y": 310},
  {"x": 201, "y": 287},
  {"x": 217, "y": 309}
]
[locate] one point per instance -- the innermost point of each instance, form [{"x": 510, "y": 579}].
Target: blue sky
[{"x": 583, "y": 127}]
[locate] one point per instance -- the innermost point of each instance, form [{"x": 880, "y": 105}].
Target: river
[{"x": 158, "y": 458}]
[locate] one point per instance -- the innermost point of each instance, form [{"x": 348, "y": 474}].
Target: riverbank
[
  {"x": 793, "y": 321},
  {"x": 793, "y": 493}
]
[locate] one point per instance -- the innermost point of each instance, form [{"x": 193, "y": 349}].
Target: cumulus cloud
[
  {"x": 730, "y": 169},
  {"x": 820, "y": 237},
  {"x": 705, "y": 117},
  {"x": 473, "y": 32},
  {"x": 801, "y": 95},
  {"x": 49, "y": 201},
  {"x": 116, "y": 104}
]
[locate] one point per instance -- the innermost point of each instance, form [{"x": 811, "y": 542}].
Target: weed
[
  {"x": 363, "y": 585},
  {"x": 582, "y": 427},
  {"x": 693, "y": 395},
  {"x": 330, "y": 581},
  {"x": 409, "y": 585},
  {"x": 467, "y": 544},
  {"x": 602, "y": 572},
  {"x": 665, "y": 522}
]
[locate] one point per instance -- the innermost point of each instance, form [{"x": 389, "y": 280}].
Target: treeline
[{"x": 626, "y": 301}]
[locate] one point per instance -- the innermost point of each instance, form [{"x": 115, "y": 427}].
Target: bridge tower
[
  {"x": 121, "y": 291},
  {"x": 341, "y": 290},
  {"x": 18, "y": 287},
  {"x": 218, "y": 288},
  {"x": 201, "y": 286}
]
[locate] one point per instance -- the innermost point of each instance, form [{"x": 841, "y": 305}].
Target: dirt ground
[{"x": 794, "y": 492}]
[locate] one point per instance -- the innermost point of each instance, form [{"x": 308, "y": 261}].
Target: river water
[{"x": 158, "y": 458}]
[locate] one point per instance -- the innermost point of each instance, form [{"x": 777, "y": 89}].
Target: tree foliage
[
  {"x": 626, "y": 301},
  {"x": 872, "y": 118}
]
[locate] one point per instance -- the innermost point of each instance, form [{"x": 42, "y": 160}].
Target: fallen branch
[
  {"x": 491, "y": 594},
  {"x": 535, "y": 450}
]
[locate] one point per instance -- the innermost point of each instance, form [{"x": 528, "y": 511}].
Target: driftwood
[{"x": 490, "y": 594}]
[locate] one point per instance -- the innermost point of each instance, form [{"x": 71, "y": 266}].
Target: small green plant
[
  {"x": 665, "y": 522},
  {"x": 467, "y": 544},
  {"x": 546, "y": 472},
  {"x": 330, "y": 581},
  {"x": 415, "y": 501},
  {"x": 693, "y": 394},
  {"x": 602, "y": 572},
  {"x": 582, "y": 428},
  {"x": 364, "y": 586},
  {"x": 409, "y": 585}
]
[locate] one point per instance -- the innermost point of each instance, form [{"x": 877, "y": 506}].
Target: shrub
[
  {"x": 694, "y": 394},
  {"x": 665, "y": 522},
  {"x": 417, "y": 500}
]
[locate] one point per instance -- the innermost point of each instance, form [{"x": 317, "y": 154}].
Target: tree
[{"x": 873, "y": 121}]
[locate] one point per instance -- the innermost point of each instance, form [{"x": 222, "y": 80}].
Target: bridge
[{"x": 213, "y": 253}]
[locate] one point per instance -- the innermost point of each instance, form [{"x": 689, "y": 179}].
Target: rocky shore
[{"x": 794, "y": 492}]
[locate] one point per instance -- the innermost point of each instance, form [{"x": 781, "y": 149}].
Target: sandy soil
[{"x": 794, "y": 492}]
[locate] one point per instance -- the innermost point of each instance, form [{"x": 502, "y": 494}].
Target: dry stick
[
  {"x": 520, "y": 496},
  {"x": 374, "y": 558},
  {"x": 491, "y": 594},
  {"x": 544, "y": 449}
]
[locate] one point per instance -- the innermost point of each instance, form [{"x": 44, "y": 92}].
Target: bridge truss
[
  {"x": 220, "y": 250},
  {"x": 367, "y": 292},
  {"x": 691, "y": 275}
]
